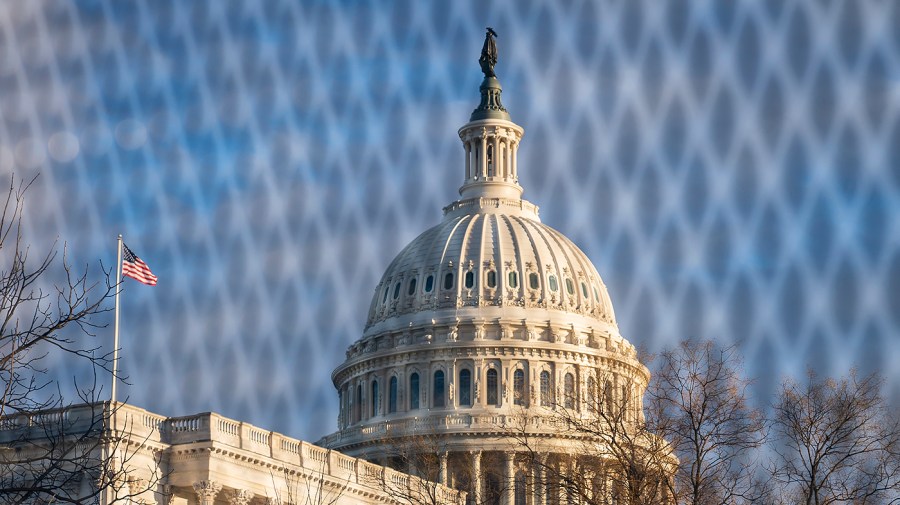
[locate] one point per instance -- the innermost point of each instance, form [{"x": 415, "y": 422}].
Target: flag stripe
[{"x": 134, "y": 267}]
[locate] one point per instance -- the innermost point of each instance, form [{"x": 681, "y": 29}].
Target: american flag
[{"x": 134, "y": 267}]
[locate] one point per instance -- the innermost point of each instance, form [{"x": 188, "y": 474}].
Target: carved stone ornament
[
  {"x": 240, "y": 497},
  {"x": 532, "y": 334},
  {"x": 207, "y": 490},
  {"x": 453, "y": 334}
]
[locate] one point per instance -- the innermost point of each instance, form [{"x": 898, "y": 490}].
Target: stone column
[
  {"x": 540, "y": 486},
  {"x": 497, "y": 157},
  {"x": 206, "y": 491},
  {"x": 442, "y": 459},
  {"x": 515, "y": 155},
  {"x": 508, "y": 496},
  {"x": 476, "y": 477},
  {"x": 468, "y": 148},
  {"x": 482, "y": 169}
]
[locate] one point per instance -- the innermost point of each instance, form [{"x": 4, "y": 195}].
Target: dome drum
[{"x": 492, "y": 378}]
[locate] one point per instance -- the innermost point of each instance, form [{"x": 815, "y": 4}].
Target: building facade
[
  {"x": 117, "y": 453},
  {"x": 484, "y": 329}
]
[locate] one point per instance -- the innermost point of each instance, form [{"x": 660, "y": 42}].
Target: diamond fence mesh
[{"x": 732, "y": 168}]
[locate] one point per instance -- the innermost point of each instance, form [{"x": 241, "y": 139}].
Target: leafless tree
[
  {"x": 419, "y": 465},
  {"x": 48, "y": 307},
  {"x": 836, "y": 442},
  {"x": 311, "y": 487},
  {"x": 697, "y": 401},
  {"x": 611, "y": 453}
]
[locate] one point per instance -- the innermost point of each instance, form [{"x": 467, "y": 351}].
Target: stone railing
[
  {"x": 498, "y": 423},
  {"x": 491, "y": 202},
  {"x": 141, "y": 426}
]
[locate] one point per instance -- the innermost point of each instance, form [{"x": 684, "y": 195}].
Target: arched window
[
  {"x": 414, "y": 391},
  {"x": 520, "y": 488},
  {"x": 392, "y": 395},
  {"x": 470, "y": 279},
  {"x": 492, "y": 387},
  {"x": 584, "y": 291},
  {"x": 492, "y": 279},
  {"x": 533, "y": 281},
  {"x": 448, "y": 281},
  {"x": 596, "y": 295},
  {"x": 397, "y": 291},
  {"x": 465, "y": 388},
  {"x": 375, "y": 408},
  {"x": 412, "y": 287},
  {"x": 569, "y": 389},
  {"x": 570, "y": 287},
  {"x": 519, "y": 387},
  {"x": 387, "y": 289},
  {"x": 546, "y": 390},
  {"x": 591, "y": 395},
  {"x": 429, "y": 283},
  {"x": 552, "y": 282},
  {"x": 357, "y": 407},
  {"x": 438, "y": 389},
  {"x": 513, "y": 279}
]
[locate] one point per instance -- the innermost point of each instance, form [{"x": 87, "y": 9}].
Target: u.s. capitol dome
[{"x": 488, "y": 320}]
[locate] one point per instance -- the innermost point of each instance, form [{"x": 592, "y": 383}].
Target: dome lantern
[{"x": 490, "y": 138}]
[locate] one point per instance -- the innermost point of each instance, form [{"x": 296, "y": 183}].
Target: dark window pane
[
  {"x": 513, "y": 280},
  {"x": 519, "y": 387},
  {"x": 533, "y": 280},
  {"x": 413, "y": 391},
  {"x": 546, "y": 392},
  {"x": 396, "y": 291},
  {"x": 492, "y": 387},
  {"x": 412, "y": 287},
  {"x": 448, "y": 281},
  {"x": 439, "y": 389},
  {"x": 470, "y": 279},
  {"x": 465, "y": 388},
  {"x": 392, "y": 396},
  {"x": 429, "y": 284},
  {"x": 492, "y": 279},
  {"x": 553, "y": 284}
]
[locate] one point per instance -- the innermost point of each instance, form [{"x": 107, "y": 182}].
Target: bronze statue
[{"x": 489, "y": 53}]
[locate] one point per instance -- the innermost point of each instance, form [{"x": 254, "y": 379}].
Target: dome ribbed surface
[{"x": 533, "y": 265}]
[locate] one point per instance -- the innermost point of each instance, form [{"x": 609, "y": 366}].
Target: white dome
[
  {"x": 485, "y": 316},
  {"x": 489, "y": 257}
]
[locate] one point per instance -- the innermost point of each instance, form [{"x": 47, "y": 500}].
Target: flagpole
[{"x": 115, "y": 363}]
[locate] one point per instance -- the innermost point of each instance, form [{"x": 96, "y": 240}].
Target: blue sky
[{"x": 732, "y": 170}]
